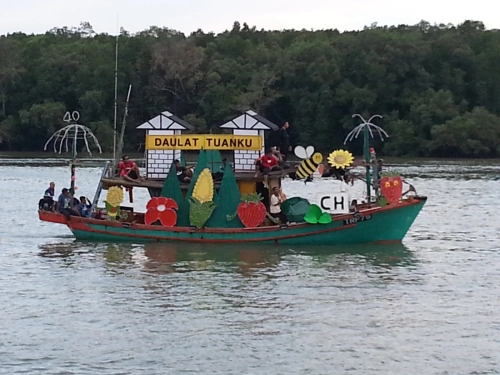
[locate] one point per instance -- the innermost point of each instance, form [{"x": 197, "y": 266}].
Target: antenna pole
[
  {"x": 119, "y": 150},
  {"x": 366, "y": 154},
  {"x": 116, "y": 92}
]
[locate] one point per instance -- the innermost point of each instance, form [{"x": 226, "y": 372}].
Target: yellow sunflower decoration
[{"x": 340, "y": 159}]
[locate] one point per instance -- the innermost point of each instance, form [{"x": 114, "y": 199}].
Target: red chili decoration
[
  {"x": 251, "y": 210},
  {"x": 161, "y": 208},
  {"x": 391, "y": 188}
]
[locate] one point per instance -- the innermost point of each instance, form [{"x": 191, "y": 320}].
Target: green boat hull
[{"x": 386, "y": 224}]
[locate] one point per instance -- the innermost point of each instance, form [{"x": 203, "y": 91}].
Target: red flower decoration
[{"x": 161, "y": 208}]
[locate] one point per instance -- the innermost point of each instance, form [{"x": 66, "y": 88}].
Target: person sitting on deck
[
  {"x": 277, "y": 199},
  {"x": 64, "y": 204},
  {"x": 128, "y": 169},
  {"x": 84, "y": 207},
  {"x": 217, "y": 176},
  {"x": 354, "y": 205},
  {"x": 268, "y": 163},
  {"x": 50, "y": 190},
  {"x": 47, "y": 202},
  {"x": 183, "y": 174},
  {"x": 282, "y": 157}
]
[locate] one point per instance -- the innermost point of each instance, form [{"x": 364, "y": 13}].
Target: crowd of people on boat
[{"x": 65, "y": 204}]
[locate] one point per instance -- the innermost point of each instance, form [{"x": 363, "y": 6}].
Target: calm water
[{"x": 428, "y": 306}]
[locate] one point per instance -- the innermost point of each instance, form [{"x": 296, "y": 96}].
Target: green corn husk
[{"x": 199, "y": 213}]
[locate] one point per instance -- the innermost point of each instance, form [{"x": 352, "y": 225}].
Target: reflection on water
[{"x": 245, "y": 259}]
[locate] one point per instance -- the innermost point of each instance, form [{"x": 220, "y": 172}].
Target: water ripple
[{"x": 428, "y": 306}]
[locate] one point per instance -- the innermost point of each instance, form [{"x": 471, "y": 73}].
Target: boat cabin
[{"x": 169, "y": 138}]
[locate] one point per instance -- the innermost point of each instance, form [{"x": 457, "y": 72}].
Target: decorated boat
[{"x": 228, "y": 202}]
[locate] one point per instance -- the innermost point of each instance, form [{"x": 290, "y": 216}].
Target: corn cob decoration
[
  {"x": 202, "y": 204},
  {"x": 113, "y": 200}
]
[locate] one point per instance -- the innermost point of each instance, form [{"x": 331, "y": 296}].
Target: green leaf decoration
[
  {"x": 313, "y": 214},
  {"x": 295, "y": 209},
  {"x": 214, "y": 160},
  {"x": 182, "y": 160},
  {"x": 316, "y": 216},
  {"x": 172, "y": 189},
  {"x": 228, "y": 200},
  {"x": 325, "y": 218},
  {"x": 382, "y": 201},
  {"x": 113, "y": 211},
  {"x": 199, "y": 213}
]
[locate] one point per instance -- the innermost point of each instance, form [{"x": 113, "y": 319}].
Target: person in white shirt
[{"x": 277, "y": 199}]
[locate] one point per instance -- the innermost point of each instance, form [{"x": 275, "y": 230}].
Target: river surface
[{"x": 428, "y": 306}]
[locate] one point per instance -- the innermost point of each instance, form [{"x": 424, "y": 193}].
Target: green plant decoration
[
  {"x": 113, "y": 211},
  {"x": 316, "y": 216},
  {"x": 199, "y": 213},
  {"x": 172, "y": 189}
]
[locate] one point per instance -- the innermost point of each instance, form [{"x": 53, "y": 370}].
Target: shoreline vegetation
[{"x": 436, "y": 85}]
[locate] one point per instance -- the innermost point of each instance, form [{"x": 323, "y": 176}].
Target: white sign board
[{"x": 334, "y": 203}]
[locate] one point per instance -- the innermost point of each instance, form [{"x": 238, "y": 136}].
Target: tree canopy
[{"x": 437, "y": 86}]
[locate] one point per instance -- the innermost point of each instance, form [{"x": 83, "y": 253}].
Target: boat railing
[{"x": 105, "y": 173}]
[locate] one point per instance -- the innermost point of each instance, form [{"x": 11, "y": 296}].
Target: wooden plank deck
[{"x": 158, "y": 184}]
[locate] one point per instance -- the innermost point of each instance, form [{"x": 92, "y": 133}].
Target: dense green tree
[{"x": 436, "y": 85}]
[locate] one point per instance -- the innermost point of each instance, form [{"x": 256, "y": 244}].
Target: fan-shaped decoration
[
  {"x": 73, "y": 132},
  {"x": 162, "y": 209},
  {"x": 340, "y": 159}
]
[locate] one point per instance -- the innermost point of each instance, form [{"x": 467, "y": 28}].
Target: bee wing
[
  {"x": 309, "y": 151},
  {"x": 300, "y": 152}
]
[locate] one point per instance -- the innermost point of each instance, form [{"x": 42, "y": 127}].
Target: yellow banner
[{"x": 205, "y": 141}]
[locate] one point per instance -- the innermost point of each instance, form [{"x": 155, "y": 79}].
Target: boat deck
[{"x": 107, "y": 182}]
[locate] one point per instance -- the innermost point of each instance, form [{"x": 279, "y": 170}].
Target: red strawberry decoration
[
  {"x": 391, "y": 188},
  {"x": 251, "y": 210}
]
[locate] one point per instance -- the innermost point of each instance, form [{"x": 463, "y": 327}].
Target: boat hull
[{"x": 380, "y": 224}]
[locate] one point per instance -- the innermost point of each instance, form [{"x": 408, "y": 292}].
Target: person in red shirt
[
  {"x": 128, "y": 169},
  {"x": 267, "y": 163}
]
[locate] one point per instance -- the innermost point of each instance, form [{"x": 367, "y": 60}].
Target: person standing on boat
[
  {"x": 64, "y": 204},
  {"x": 277, "y": 200},
  {"x": 128, "y": 169},
  {"x": 284, "y": 141},
  {"x": 267, "y": 163}
]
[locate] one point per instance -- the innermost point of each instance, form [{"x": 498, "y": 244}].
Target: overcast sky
[{"x": 38, "y": 16}]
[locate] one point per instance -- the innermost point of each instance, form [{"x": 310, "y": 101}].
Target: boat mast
[
  {"x": 72, "y": 165},
  {"x": 368, "y": 129},
  {"x": 366, "y": 155},
  {"x": 116, "y": 92},
  {"x": 122, "y": 130}
]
